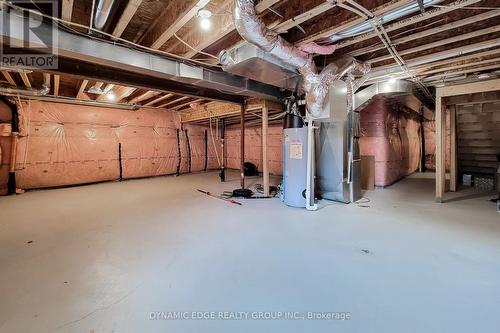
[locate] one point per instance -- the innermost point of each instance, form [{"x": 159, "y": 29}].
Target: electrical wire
[
  {"x": 213, "y": 140},
  {"x": 194, "y": 49},
  {"x": 114, "y": 38},
  {"x": 470, "y": 8}
]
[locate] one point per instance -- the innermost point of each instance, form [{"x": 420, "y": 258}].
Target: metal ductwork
[
  {"x": 252, "y": 29},
  {"x": 250, "y": 61},
  {"x": 102, "y": 12},
  {"x": 92, "y": 58},
  {"x": 391, "y": 87}
]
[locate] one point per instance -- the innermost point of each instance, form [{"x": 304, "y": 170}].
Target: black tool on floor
[{"x": 220, "y": 198}]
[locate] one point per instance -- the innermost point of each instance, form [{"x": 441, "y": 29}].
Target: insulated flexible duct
[{"x": 251, "y": 28}]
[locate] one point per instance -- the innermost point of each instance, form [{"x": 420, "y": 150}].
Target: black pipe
[
  {"x": 178, "y": 153},
  {"x": 120, "y": 160},
  {"x": 222, "y": 173},
  {"x": 206, "y": 150},
  {"x": 189, "y": 150},
  {"x": 11, "y": 181}
]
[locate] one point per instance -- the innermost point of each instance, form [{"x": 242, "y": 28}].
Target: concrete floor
[{"x": 101, "y": 258}]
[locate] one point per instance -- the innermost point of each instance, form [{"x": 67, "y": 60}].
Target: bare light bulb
[
  {"x": 111, "y": 96},
  {"x": 205, "y": 24}
]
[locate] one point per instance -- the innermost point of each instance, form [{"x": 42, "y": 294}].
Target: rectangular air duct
[{"x": 250, "y": 61}]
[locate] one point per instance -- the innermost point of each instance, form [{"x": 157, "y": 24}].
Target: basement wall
[
  {"x": 5, "y": 143},
  {"x": 393, "y": 137},
  {"x": 253, "y": 147},
  {"x": 66, "y": 144}
]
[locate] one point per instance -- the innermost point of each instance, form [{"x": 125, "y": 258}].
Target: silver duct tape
[{"x": 252, "y": 29}]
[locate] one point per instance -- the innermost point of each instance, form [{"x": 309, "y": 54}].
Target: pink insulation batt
[
  {"x": 66, "y": 144},
  {"x": 253, "y": 147},
  {"x": 392, "y": 137}
]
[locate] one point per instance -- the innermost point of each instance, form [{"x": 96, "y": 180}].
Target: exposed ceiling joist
[
  {"x": 301, "y": 18},
  {"x": 394, "y": 4},
  {"x": 25, "y": 79},
  {"x": 106, "y": 89},
  {"x": 180, "y": 106},
  {"x": 123, "y": 92},
  {"x": 171, "y": 20},
  {"x": 433, "y": 12},
  {"x": 56, "y": 85},
  {"x": 81, "y": 90},
  {"x": 214, "y": 110},
  {"x": 173, "y": 102},
  {"x": 469, "y": 88},
  {"x": 265, "y": 4},
  {"x": 9, "y": 78},
  {"x": 127, "y": 15},
  {"x": 429, "y": 32},
  {"x": 159, "y": 99},
  {"x": 440, "y": 43},
  {"x": 222, "y": 24},
  {"x": 67, "y": 10},
  {"x": 144, "y": 96}
]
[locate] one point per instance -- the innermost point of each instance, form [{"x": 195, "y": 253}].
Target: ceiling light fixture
[
  {"x": 95, "y": 90},
  {"x": 205, "y": 15},
  {"x": 111, "y": 96}
]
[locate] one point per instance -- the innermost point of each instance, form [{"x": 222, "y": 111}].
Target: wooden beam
[
  {"x": 470, "y": 88},
  {"x": 440, "y": 151},
  {"x": 123, "y": 92},
  {"x": 217, "y": 109},
  {"x": 180, "y": 106},
  {"x": 265, "y": 4},
  {"x": 81, "y": 90},
  {"x": 67, "y": 10},
  {"x": 144, "y": 96},
  {"x": 9, "y": 78},
  {"x": 301, "y": 18},
  {"x": 171, "y": 20},
  {"x": 174, "y": 101},
  {"x": 56, "y": 84},
  {"x": 426, "y": 33},
  {"x": 25, "y": 79},
  {"x": 453, "y": 149},
  {"x": 439, "y": 43},
  {"x": 159, "y": 99},
  {"x": 394, "y": 4},
  {"x": 265, "y": 161},
  {"x": 127, "y": 15},
  {"x": 222, "y": 24},
  {"x": 436, "y": 11}
]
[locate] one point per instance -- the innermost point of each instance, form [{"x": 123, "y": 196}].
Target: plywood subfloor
[{"x": 101, "y": 258}]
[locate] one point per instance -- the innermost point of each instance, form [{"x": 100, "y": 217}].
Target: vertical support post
[
  {"x": 440, "y": 151},
  {"x": 242, "y": 162},
  {"x": 222, "y": 173},
  {"x": 265, "y": 161},
  {"x": 422, "y": 139},
  {"x": 453, "y": 148}
]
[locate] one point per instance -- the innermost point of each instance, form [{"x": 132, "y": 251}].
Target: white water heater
[{"x": 294, "y": 161}]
